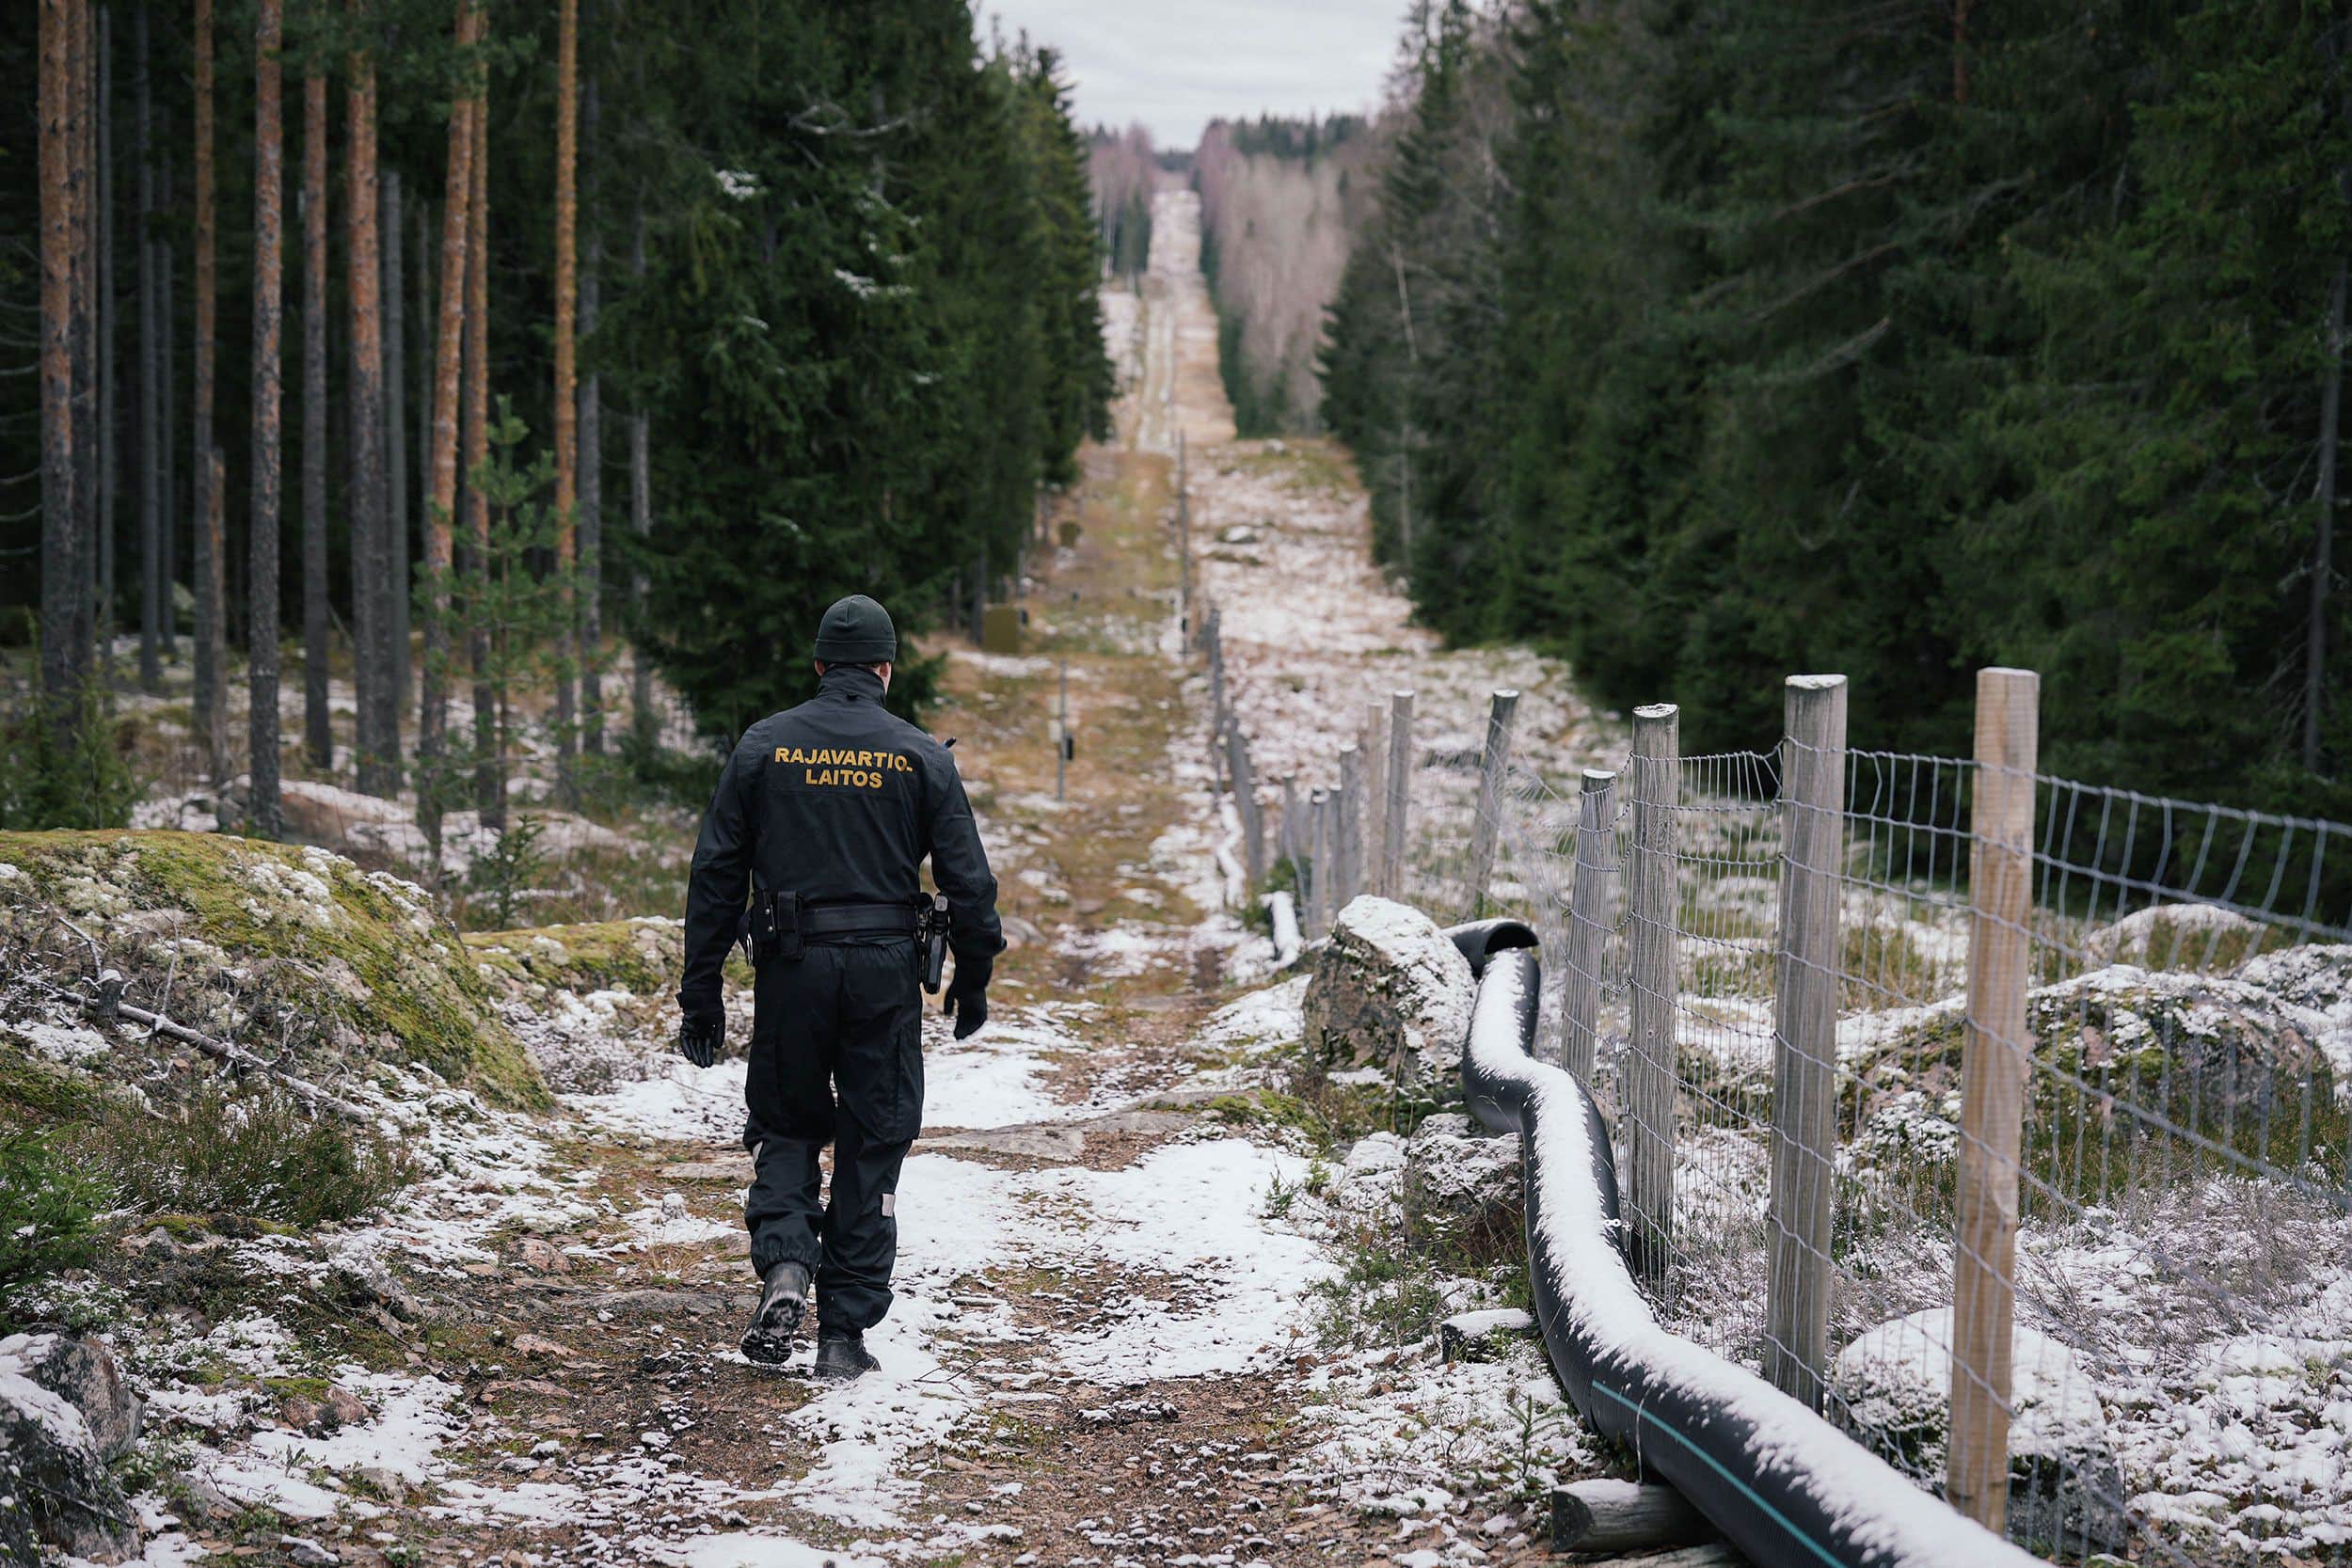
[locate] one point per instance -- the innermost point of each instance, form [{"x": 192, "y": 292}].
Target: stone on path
[{"x": 1390, "y": 992}]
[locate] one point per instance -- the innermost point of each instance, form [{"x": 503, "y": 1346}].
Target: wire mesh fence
[{"x": 2065, "y": 1174}]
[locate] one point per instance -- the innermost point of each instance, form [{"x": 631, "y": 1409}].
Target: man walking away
[{"x": 823, "y": 818}]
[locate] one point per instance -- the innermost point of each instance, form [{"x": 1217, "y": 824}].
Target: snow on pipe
[
  {"x": 1282, "y": 913},
  {"x": 1228, "y": 857},
  {"x": 1783, "y": 1484}
]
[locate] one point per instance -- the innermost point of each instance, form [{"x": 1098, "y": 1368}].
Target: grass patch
[
  {"x": 1384, "y": 1295},
  {"x": 49, "y": 1207},
  {"x": 258, "y": 1156}
]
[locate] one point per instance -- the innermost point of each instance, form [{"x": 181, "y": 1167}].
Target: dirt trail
[{"x": 1102, "y": 1349}]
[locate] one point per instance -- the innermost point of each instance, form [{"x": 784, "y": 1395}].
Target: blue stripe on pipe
[{"x": 1640, "y": 1415}]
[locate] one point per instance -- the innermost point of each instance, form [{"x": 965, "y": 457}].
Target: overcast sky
[{"x": 1177, "y": 64}]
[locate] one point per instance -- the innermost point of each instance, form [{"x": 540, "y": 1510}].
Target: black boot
[
  {"x": 841, "y": 1356},
  {"x": 782, "y": 1301}
]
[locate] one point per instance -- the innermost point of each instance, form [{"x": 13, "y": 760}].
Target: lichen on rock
[
  {"x": 341, "y": 966},
  {"x": 1390, "y": 992}
]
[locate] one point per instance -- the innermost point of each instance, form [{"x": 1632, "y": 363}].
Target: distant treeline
[
  {"x": 1713, "y": 341},
  {"x": 1124, "y": 173},
  {"x": 1280, "y": 203}
]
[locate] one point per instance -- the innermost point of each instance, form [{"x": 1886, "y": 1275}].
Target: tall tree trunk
[
  {"x": 591, "y": 459},
  {"x": 424, "y": 325},
  {"x": 441, "y": 505},
  {"x": 489, "y": 756},
  {"x": 318, "y": 735},
  {"x": 269, "y": 279},
  {"x": 151, "y": 378},
  {"x": 211, "y": 649},
  {"x": 109, "y": 459},
  {"x": 640, "y": 522},
  {"x": 379, "y": 731},
  {"x": 395, "y": 541},
  {"x": 58, "y": 578},
  {"x": 167, "y": 444},
  {"x": 2323, "y": 544},
  {"x": 567, "y": 380},
  {"x": 85, "y": 433}
]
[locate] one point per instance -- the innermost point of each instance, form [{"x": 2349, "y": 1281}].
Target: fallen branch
[{"x": 107, "y": 1006}]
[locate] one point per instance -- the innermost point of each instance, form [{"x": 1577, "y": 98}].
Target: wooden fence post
[
  {"x": 1395, "y": 813},
  {"x": 1350, "y": 857},
  {"x": 1319, "y": 863},
  {"x": 1184, "y": 545},
  {"x": 1805, "y": 1065},
  {"x": 1212, "y": 641},
  {"x": 1650, "y": 1065},
  {"x": 1995, "y": 1056},
  {"x": 1246, "y": 802},
  {"x": 1286, "y": 836},
  {"x": 1491, "y": 768},
  {"x": 1588, "y": 926},
  {"x": 1373, "y": 743}
]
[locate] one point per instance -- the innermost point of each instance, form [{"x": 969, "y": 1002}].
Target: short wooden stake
[
  {"x": 1650, "y": 1075},
  {"x": 1604, "y": 1515},
  {"x": 1492, "y": 766},
  {"x": 1805, "y": 1065},
  {"x": 1996, "y": 1053},
  {"x": 1395, "y": 815},
  {"x": 1588, "y": 926}
]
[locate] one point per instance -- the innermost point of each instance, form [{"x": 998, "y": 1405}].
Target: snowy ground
[{"x": 1108, "y": 1345}]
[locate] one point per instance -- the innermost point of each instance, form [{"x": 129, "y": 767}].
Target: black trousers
[{"x": 837, "y": 1057}]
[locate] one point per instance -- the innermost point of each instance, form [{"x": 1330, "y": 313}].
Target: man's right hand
[{"x": 699, "y": 1038}]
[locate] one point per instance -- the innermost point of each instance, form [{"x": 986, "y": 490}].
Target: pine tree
[
  {"x": 211, "y": 607},
  {"x": 378, "y": 716},
  {"x": 317, "y": 726},
  {"x": 466, "y": 136},
  {"x": 59, "y": 665},
  {"x": 567, "y": 376},
  {"x": 269, "y": 235}
]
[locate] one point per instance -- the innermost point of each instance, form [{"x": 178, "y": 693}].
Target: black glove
[
  {"x": 967, "y": 994},
  {"x": 699, "y": 1038}
]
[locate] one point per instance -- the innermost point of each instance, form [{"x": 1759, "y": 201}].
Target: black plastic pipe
[{"x": 1784, "y": 1485}]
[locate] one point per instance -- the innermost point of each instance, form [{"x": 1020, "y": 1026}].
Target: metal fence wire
[{"x": 1762, "y": 963}]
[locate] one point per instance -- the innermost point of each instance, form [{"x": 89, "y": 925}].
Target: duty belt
[{"x": 842, "y": 920}]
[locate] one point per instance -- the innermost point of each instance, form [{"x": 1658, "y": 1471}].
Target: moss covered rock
[
  {"x": 291, "y": 950},
  {"x": 2125, "y": 1058}
]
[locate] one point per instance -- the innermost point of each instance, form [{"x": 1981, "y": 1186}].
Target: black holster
[{"x": 932, "y": 929}]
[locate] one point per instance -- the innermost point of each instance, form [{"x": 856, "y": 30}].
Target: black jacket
[{"x": 839, "y": 801}]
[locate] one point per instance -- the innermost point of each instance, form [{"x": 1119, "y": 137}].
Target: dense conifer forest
[
  {"x": 565, "y": 326},
  {"x": 1710, "y": 341}
]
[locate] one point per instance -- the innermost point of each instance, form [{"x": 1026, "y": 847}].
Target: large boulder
[
  {"x": 54, "y": 1490},
  {"x": 2259, "y": 1060},
  {"x": 1463, "y": 1193},
  {"x": 1390, "y": 992},
  {"x": 2065, "y": 1486},
  {"x": 82, "y": 1372}
]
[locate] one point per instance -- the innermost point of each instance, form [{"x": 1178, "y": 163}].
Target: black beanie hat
[{"x": 856, "y": 630}]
